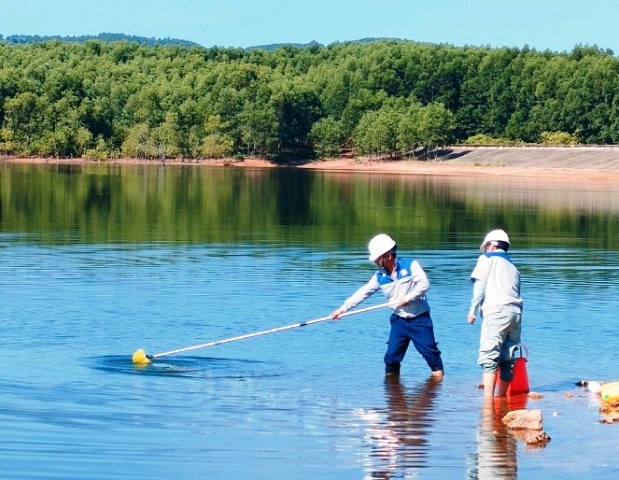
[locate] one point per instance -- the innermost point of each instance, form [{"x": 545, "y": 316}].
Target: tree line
[{"x": 115, "y": 99}]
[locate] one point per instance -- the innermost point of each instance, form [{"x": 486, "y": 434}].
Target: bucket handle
[{"x": 523, "y": 351}]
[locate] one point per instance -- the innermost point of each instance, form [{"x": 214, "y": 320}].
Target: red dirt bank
[{"x": 569, "y": 163}]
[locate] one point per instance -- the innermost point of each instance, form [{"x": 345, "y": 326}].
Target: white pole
[{"x": 264, "y": 332}]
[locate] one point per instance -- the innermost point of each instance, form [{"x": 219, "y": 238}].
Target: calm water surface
[{"x": 97, "y": 263}]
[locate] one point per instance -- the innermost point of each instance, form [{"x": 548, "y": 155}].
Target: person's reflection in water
[
  {"x": 401, "y": 440},
  {"x": 496, "y": 448}
]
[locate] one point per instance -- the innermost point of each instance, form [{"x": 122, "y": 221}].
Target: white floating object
[{"x": 594, "y": 387}]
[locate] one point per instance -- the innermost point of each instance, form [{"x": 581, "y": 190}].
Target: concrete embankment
[{"x": 571, "y": 158}]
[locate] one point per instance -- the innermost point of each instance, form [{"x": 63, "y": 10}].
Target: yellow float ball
[{"x": 140, "y": 358}]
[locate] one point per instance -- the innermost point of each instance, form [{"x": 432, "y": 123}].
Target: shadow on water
[
  {"x": 497, "y": 448},
  {"x": 400, "y": 433},
  {"x": 189, "y": 367},
  {"x": 403, "y": 436},
  {"x": 293, "y": 194}
]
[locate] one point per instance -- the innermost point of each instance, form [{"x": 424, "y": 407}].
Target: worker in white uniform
[{"x": 496, "y": 298}]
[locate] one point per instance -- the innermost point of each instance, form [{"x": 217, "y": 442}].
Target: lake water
[{"x": 99, "y": 261}]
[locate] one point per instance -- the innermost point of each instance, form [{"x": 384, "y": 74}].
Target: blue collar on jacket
[
  {"x": 499, "y": 253},
  {"x": 403, "y": 268}
]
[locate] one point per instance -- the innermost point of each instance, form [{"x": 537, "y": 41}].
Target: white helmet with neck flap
[
  {"x": 495, "y": 236},
  {"x": 379, "y": 245}
]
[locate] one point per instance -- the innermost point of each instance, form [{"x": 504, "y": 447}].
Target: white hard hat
[
  {"x": 380, "y": 245},
  {"x": 495, "y": 236}
]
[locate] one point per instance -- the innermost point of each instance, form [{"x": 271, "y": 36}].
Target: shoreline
[{"x": 591, "y": 164}]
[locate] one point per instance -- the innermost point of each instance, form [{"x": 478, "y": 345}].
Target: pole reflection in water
[
  {"x": 496, "y": 456},
  {"x": 400, "y": 437}
]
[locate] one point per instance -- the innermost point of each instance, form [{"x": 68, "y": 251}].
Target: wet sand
[{"x": 569, "y": 164}]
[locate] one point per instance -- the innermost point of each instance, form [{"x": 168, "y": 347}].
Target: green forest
[{"x": 102, "y": 100}]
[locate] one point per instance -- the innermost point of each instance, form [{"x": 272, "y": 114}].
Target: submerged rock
[
  {"x": 609, "y": 413},
  {"x": 537, "y": 439},
  {"x": 526, "y": 426}
]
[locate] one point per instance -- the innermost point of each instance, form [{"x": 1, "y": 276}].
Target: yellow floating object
[
  {"x": 140, "y": 358},
  {"x": 610, "y": 392}
]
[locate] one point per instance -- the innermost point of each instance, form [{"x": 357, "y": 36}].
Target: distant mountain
[
  {"x": 378, "y": 39},
  {"x": 275, "y": 46},
  {"x": 119, "y": 37},
  {"x": 103, "y": 37},
  {"x": 314, "y": 43}
]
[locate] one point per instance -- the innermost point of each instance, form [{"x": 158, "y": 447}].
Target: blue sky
[{"x": 556, "y": 25}]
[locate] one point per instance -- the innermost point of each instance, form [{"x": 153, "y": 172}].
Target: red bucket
[{"x": 520, "y": 382}]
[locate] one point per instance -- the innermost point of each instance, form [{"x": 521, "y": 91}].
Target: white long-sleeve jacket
[
  {"x": 409, "y": 283},
  {"x": 496, "y": 285}
]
